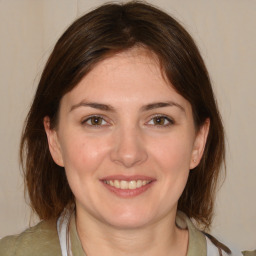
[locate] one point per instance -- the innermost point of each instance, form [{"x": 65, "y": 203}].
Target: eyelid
[
  {"x": 168, "y": 118},
  {"x": 86, "y": 119},
  {"x": 108, "y": 123}
]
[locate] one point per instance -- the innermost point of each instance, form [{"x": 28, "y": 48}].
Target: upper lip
[{"x": 128, "y": 178}]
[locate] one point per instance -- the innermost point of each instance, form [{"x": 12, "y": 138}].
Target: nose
[{"x": 129, "y": 148}]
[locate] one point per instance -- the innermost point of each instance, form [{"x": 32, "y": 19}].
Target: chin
[
  {"x": 128, "y": 223},
  {"x": 128, "y": 219}
]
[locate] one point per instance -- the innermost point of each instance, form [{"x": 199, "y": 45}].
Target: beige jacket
[{"x": 43, "y": 240}]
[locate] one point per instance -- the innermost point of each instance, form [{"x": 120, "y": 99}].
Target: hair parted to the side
[{"x": 107, "y": 30}]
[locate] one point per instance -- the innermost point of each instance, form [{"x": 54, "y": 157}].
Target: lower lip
[{"x": 128, "y": 193}]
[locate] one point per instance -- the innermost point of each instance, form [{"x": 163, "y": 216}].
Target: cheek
[
  {"x": 171, "y": 157},
  {"x": 83, "y": 155},
  {"x": 173, "y": 153}
]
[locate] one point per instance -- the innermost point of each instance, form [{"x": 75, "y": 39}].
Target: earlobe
[
  {"x": 53, "y": 142},
  {"x": 199, "y": 144}
]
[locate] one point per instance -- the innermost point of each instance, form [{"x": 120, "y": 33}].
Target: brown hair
[{"x": 109, "y": 29}]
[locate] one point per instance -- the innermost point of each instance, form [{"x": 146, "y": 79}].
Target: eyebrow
[
  {"x": 147, "y": 107},
  {"x": 99, "y": 106},
  {"x": 162, "y": 105}
]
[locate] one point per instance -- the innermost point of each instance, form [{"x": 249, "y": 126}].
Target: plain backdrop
[{"x": 225, "y": 31}]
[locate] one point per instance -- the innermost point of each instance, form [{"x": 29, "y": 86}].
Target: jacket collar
[{"x": 197, "y": 240}]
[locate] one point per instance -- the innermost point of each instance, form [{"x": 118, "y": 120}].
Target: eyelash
[
  {"x": 84, "y": 122},
  {"x": 166, "y": 118}
]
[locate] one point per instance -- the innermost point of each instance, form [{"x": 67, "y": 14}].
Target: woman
[{"x": 123, "y": 143}]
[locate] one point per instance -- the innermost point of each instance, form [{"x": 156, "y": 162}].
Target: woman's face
[{"x": 127, "y": 141}]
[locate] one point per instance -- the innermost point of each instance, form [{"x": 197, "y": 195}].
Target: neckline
[{"x": 196, "y": 244}]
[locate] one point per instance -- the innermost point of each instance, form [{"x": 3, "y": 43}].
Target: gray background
[{"x": 225, "y": 31}]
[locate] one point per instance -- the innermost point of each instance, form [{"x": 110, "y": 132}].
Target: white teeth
[
  {"x": 123, "y": 184},
  {"x": 139, "y": 183},
  {"x": 116, "y": 184},
  {"x": 132, "y": 184}
]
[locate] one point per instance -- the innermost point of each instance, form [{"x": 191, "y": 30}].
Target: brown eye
[
  {"x": 95, "y": 121},
  {"x": 160, "y": 121}
]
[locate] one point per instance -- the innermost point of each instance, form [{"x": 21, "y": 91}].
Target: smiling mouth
[{"x": 124, "y": 184}]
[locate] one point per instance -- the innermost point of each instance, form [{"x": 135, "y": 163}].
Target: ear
[
  {"x": 53, "y": 142},
  {"x": 199, "y": 144}
]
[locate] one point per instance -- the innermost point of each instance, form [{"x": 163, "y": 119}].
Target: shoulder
[
  {"x": 251, "y": 253},
  {"x": 41, "y": 239},
  {"x": 201, "y": 243}
]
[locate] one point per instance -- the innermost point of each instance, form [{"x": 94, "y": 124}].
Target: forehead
[
  {"x": 126, "y": 77},
  {"x": 128, "y": 65}
]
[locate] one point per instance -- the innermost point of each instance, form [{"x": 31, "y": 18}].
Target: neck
[{"x": 160, "y": 238}]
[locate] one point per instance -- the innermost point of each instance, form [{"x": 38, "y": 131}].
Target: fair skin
[{"x": 124, "y": 125}]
